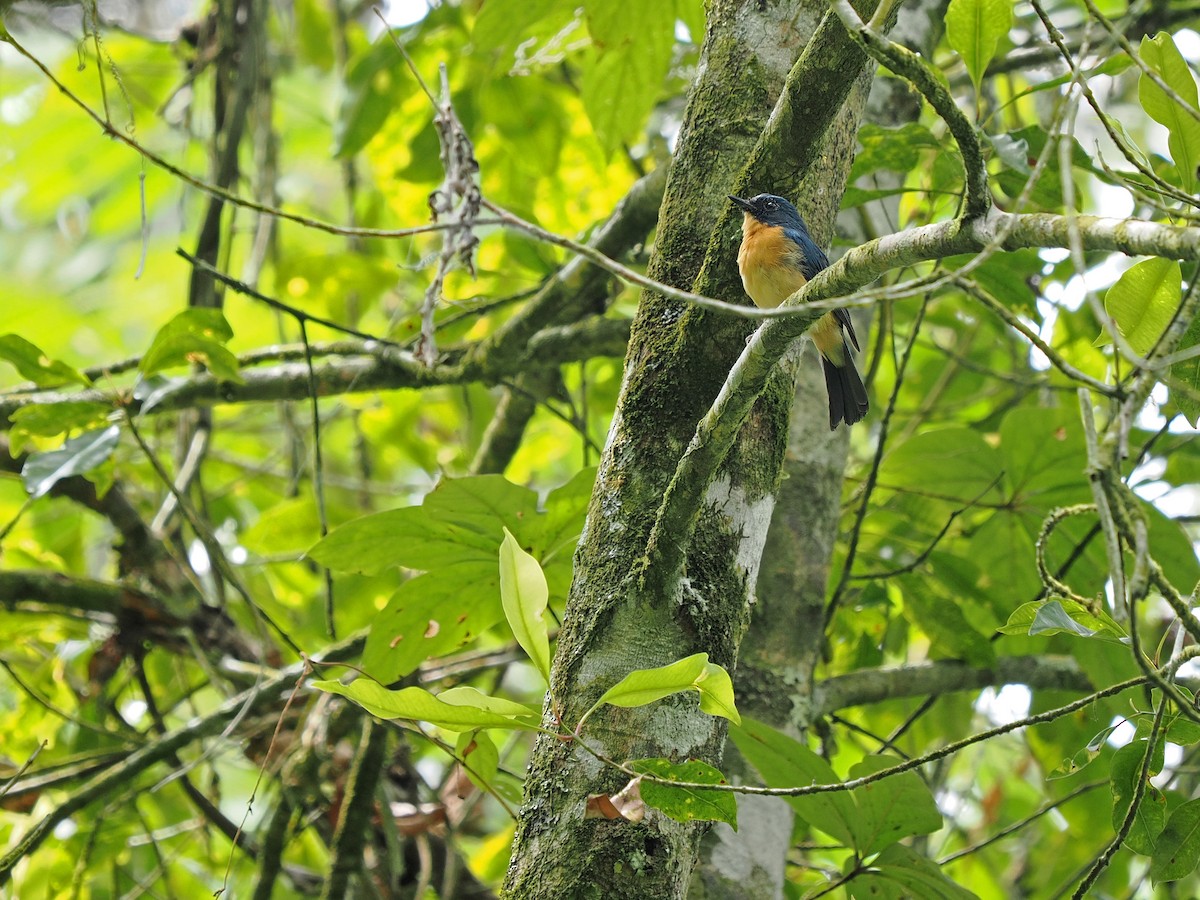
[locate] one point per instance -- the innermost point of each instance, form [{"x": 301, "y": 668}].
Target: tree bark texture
[{"x": 678, "y": 359}]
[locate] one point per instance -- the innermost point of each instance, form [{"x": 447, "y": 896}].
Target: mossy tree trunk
[{"x": 617, "y": 619}]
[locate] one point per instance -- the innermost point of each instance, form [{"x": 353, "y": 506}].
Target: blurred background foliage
[{"x": 567, "y": 106}]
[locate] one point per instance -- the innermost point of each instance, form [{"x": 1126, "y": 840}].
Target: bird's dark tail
[{"x": 847, "y": 393}]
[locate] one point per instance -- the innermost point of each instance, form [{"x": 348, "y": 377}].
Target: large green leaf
[
  {"x": 624, "y": 77},
  {"x": 1043, "y": 455},
  {"x": 407, "y": 537},
  {"x": 783, "y": 762},
  {"x": 1151, "y": 813},
  {"x": 1177, "y": 852},
  {"x": 1185, "y": 376},
  {"x": 1183, "y": 139},
  {"x": 974, "y": 28},
  {"x": 483, "y": 506},
  {"x": 945, "y": 625},
  {"x": 952, "y": 463},
  {"x": 461, "y": 520},
  {"x": 432, "y": 615},
  {"x": 897, "y": 807},
  {"x": 1143, "y": 302},
  {"x": 899, "y": 873}
]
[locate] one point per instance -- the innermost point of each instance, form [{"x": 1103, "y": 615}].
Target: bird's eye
[{"x": 770, "y": 204}]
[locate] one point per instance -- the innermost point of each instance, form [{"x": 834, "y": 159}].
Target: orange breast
[{"x": 768, "y": 263}]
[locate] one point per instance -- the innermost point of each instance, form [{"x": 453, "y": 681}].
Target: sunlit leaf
[
  {"x": 194, "y": 336},
  {"x": 1143, "y": 301},
  {"x": 974, "y": 28},
  {"x": 1161, "y": 54},
  {"x": 523, "y": 594},
  {"x": 644, "y": 686},
  {"x": 1061, "y": 616},
  {"x": 418, "y": 705},
  {"x": 695, "y": 672},
  {"x": 622, "y": 81},
  {"x": 33, "y": 364}
]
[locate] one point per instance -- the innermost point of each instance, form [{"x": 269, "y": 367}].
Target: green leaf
[
  {"x": 465, "y": 695},
  {"x": 622, "y": 81},
  {"x": 432, "y": 615},
  {"x": 503, "y": 25},
  {"x": 59, "y": 418},
  {"x": 896, "y": 807},
  {"x": 459, "y": 521},
  {"x": 480, "y": 757},
  {"x": 957, "y": 460},
  {"x": 644, "y": 686},
  {"x": 406, "y": 537},
  {"x": 716, "y": 693},
  {"x": 373, "y": 89},
  {"x": 47, "y": 421},
  {"x": 1151, "y": 814},
  {"x": 33, "y": 364},
  {"x": 1143, "y": 301},
  {"x": 1184, "y": 383},
  {"x": 418, "y": 705},
  {"x": 946, "y": 625},
  {"x": 695, "y": 672},
  {"x": 78, "y": 455},
  {"x": 285, "y": 528},
  {"x": 1178, "y": 849},
  {"x": 524, "y": 595},
  {"x": 899, "y": 873},
  {"x": 783, "y": 762},
  {"x": 1061, "y": 616},
  {"x": 1183, "y": 140},
  {"x": 1183, "y": 731},
  {"x": 974, "y": 28},
  {"x": 892, "y": 149},
  {"x": 482, "y": 506},
  {"x": 1043, "y": 452},
  {"x": 194, "y": 336},
  {"x": 557, "y": 529},
  {"x": 686, "y": 804}
]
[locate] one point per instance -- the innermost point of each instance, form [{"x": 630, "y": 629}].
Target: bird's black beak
[{"x": 744, "y": 204}]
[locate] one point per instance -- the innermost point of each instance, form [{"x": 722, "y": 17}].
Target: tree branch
[
  {"x": 253, "y": 700},
  {"x": 946, "y": 676},
  {"x": 387, "y": 369}
]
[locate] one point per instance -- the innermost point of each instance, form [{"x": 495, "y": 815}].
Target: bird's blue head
[{"x": 771, "y": 210}]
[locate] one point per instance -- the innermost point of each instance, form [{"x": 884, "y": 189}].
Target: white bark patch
[{"x": 747, "y": 519}]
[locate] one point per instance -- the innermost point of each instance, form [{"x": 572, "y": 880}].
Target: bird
[{"x": 776, "y": 258}]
